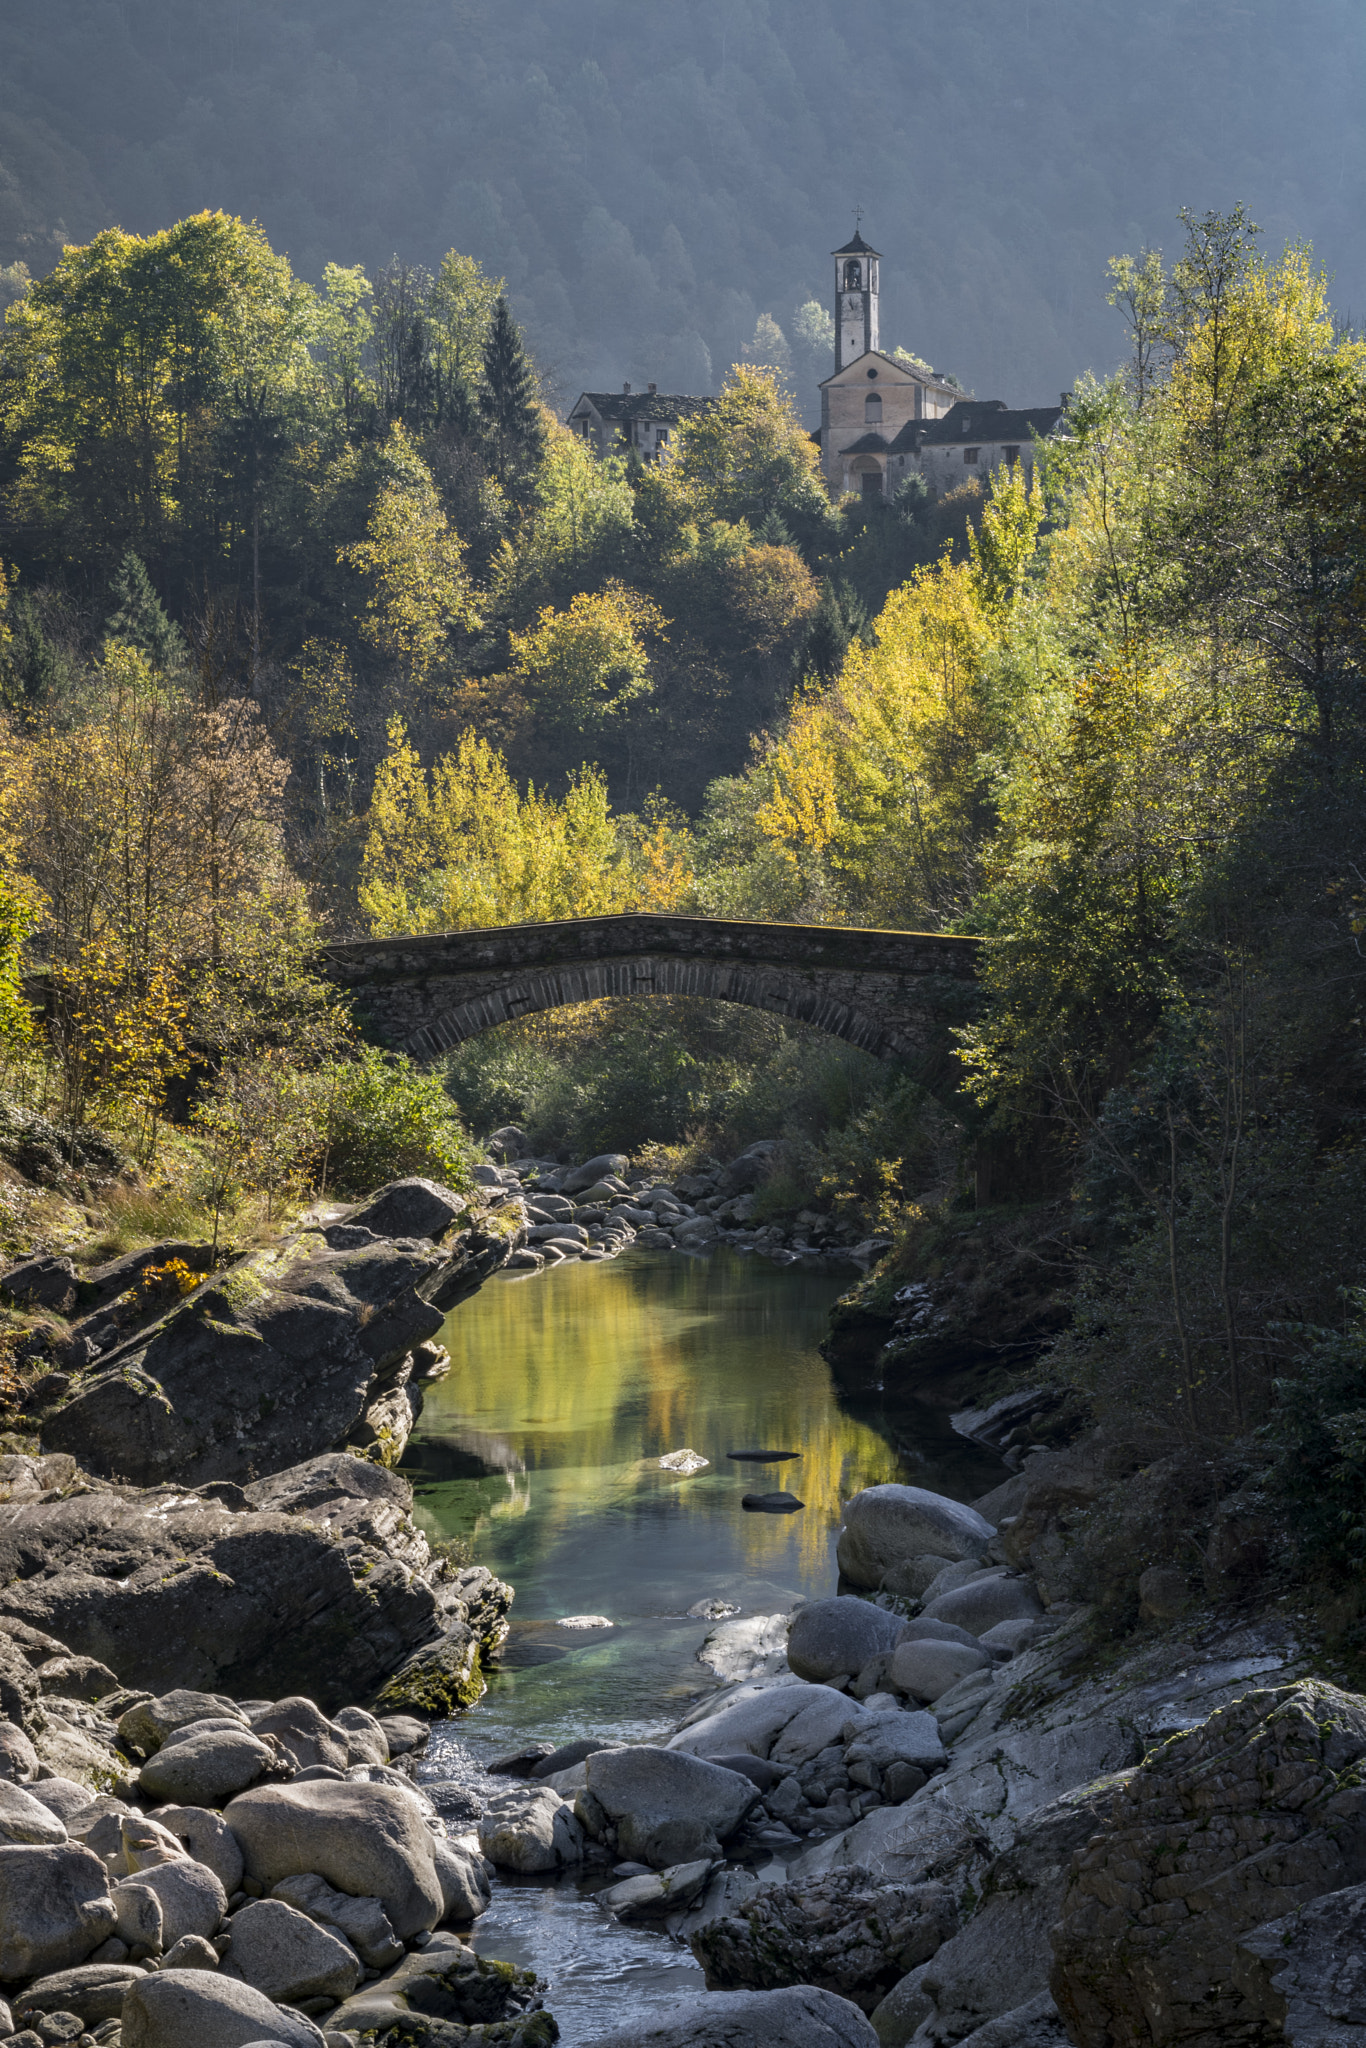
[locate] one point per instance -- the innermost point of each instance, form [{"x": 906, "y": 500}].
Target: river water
[{"x": 543, "y": 1445}]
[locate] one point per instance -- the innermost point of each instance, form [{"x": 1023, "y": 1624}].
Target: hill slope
[{"x": 651, "y": 179}]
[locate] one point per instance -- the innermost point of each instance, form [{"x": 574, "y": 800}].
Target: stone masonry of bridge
[{"x": 893, "y": 993}]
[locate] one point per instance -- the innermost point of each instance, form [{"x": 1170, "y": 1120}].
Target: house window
[
  {"x": 971, "y": 454},
  {"x": 663, "y": 435},
  {"x": 872, "y": 409},
  {"x": 1013, "y": 453}
]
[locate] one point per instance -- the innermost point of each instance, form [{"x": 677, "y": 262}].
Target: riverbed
[{"x": 542, "y": 1449}]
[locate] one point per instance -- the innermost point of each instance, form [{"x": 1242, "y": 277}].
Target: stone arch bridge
[{"x": 894, "y": 993}]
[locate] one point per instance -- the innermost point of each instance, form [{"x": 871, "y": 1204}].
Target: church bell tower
[{"x": 856, "y": 288}]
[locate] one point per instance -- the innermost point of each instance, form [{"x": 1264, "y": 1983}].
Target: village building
[
  {"x": 615, "y": 422},
  {"x": 975, "y": 436}
]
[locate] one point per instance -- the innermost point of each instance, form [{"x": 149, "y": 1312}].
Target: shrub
[
  {"x": 382, "y": 1118},
  {"x": 1319, "y": 1431},
  {"x": 168, "y": 1282}
]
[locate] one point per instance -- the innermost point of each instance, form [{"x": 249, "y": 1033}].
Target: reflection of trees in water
[{"x": 567, "y": 1391}]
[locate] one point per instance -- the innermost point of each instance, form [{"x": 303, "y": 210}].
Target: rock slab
[
  {"x": 845, "y": 1932},
  {"x": 801, "y": 2018},
  {"x": 367, "y": 1840},
  {"x": 175, "y": 2008},
  {"x": 1246, "y": 1819},
  {"x": 55, "y": 1908},
  {"x": 663, "y": 1806}
]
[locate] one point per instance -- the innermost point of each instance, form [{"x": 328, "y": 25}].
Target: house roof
[
  {"x": 869, "y": 444},
  {"x": 989, "y": 419},
  {"x": 858, "y": 247},
  {"x": 641, "y": 405}
]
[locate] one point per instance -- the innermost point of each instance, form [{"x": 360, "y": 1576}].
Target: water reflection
[{"x": 543, "y": 1444}]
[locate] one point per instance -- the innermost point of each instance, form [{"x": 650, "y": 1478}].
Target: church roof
[
  {"x": 669, "y": 406},
  {"x": 858, "y": 247},
  {"x": 870, "y": 444},
  {"x": 989, "y": 419},
  {"x": 871, "y": 357}
]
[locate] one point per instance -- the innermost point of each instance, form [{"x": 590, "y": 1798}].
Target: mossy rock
[
  {"x": 530, "y": 2030},
  {"x": 439, "y": 1679}
]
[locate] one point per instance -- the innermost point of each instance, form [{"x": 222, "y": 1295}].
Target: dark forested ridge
[{"x": 651, "y": 180}]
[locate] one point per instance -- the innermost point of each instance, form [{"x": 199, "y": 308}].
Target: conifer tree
[
  {"x": 507, "y": 398},
  {"x": 840, "y": 617},
  {"x": 772, "y": 532},
  {"x": 138, "y": 618}
]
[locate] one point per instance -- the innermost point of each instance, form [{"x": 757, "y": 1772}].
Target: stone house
[
  {"x": 974, "y": 437},
  {"x": 612, "y": 422}
]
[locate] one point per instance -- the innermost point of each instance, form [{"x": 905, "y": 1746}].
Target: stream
[{"x": 542, "y": 1447}]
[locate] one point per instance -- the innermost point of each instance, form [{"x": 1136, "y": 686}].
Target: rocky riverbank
[
  {"x": 595, "y": 1209},
  {"x": 938, "y": 1807},
  {"x": 945, "y": 1804}
]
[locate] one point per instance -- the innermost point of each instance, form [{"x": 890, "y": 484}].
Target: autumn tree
[
  {"x": 589, "y": 664},
  {"x": 412, "y": 564},
  {"x": 748, "y": 454},
  {"x": 460, "y": 846}
]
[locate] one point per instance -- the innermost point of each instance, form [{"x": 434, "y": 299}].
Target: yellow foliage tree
[
  {"x": 748, "y": 454},
  {"x": 584, "y": 665},
  {"x": 460, "y": 847},
  {"x": 886, "y": 775},
  {"x": 414, "y": 565},
  {"x": 150, "y": 836}
]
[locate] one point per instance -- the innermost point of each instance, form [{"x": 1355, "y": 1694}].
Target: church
[{"x": 884, "y": 418}]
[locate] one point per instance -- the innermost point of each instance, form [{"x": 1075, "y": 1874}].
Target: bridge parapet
[{"x": 891, "y": 992}]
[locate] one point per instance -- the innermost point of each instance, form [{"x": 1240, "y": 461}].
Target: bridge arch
[
  {"x": 768, "y": 989},
  {"x": 892, "y": 993}
]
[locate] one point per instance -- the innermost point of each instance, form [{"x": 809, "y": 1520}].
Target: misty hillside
[{"x": 651, "y": 178}]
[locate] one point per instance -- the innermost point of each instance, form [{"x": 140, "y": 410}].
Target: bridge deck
[{"x": 370, "y": 961}]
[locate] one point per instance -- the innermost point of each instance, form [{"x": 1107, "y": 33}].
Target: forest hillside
[{"x": 653, "y": 181}]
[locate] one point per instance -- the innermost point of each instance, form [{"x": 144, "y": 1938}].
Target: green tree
[
  {"x": 418, "y": 591},
  {"x": 461, "y": 308},
  {"x": 1138, "y": 285},
  {"x": 509, "y": 402},
  {"x": 749, "y": 455},
  {"x": 119, "y": 369},
  {"x": 345, "y": 324},
  {"x": 138, "y": 619}
]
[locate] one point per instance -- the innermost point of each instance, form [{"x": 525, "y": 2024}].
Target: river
[{"x": 542, "y": 1447}]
